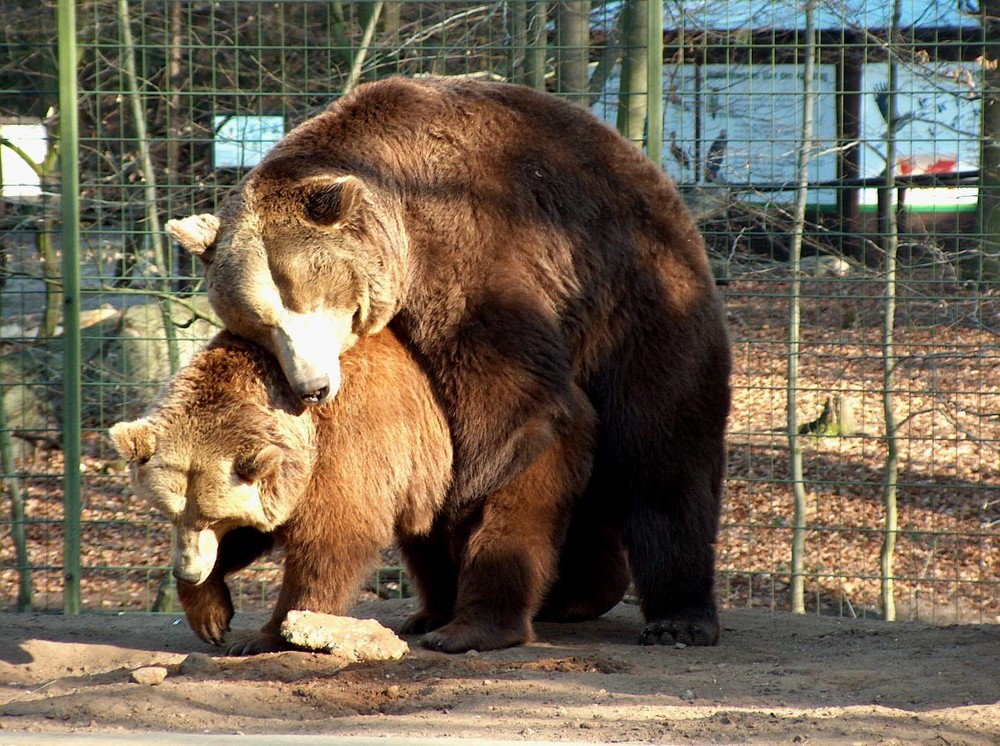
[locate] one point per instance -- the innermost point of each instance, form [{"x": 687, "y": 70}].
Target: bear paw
[
  {"x": 460, "y": 637},
  {"x": 208, "y": 607},
  {"x": 686, "y": 631},
  {"x": 421, "y": 623},
  {"x": 262, "y": 642}
]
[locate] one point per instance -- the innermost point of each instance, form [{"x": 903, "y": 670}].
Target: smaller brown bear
[{"x": 239, "y": 465}]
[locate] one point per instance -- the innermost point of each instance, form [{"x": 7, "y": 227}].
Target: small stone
[
  {"x": 688, "y": 695},
  {"x": 471, "y": 653},
  {"x": 149, "y": 675},
  {"x": 344, "y": 637},
  {"x": 198, "y": 663}
]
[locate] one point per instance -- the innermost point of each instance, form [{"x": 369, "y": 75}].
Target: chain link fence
[{"x": 862, "y": 298}]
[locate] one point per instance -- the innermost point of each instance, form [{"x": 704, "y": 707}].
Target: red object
[{"x": 923, "y": 164}]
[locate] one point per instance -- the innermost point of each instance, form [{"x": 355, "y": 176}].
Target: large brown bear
[
  {"x": 228, "y": 454},
  {"x": 521, "y": 249}
]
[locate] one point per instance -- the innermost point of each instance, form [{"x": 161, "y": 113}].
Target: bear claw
[{"x": 702, "y": 632}]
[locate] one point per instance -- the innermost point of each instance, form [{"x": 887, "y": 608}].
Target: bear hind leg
[
  {"x": 671, "y": 549},
  {"x": 434, "y": 570},
  {"x": 593, "y": 572},
  {"x": 511, "y": 556}
]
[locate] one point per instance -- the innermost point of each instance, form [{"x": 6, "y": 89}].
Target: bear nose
[
  {"x": 315, "y": 391},
  {"x": 187, "y": 577}
]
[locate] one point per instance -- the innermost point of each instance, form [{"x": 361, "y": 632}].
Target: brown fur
[
  {"x": 335, "y": 482},
  {"x": 524, "y": 252}
]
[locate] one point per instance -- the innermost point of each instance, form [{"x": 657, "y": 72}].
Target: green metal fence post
[{"x": 72, "y": 416}]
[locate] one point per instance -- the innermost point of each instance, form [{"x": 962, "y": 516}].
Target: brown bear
[
  {"x": 239, "y": 465},
  {"x": 522, "y": 250}
]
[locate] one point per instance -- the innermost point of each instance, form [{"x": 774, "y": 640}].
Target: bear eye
[
  {"x": 243, "y": 466},
  {"x": 259, "y": 465}
]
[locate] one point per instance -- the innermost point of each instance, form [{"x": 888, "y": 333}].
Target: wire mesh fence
[{"x": 178, "y": 100}]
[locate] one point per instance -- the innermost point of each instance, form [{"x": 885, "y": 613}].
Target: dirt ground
[{"x": 775, "y": 678}]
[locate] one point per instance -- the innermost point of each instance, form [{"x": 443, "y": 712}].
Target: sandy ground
[{"x": 776, "y": 678}]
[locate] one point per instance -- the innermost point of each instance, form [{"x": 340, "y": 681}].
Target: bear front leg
[
  {"x": 510, "y": 558},
  {"x": 209, "y": 606},
  {"x": 326, "y": 556}
]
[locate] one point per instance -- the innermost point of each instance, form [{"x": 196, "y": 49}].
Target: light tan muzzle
[{"x": 195, "y": 553}]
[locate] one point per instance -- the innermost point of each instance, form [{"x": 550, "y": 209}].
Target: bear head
[
  {"x": 302, "y": 264},
  {"x": 222, "y": 448}
]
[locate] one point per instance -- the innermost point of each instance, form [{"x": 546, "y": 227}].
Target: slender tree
[
  {"x": 889, "y": 230},
  {"x": 155, "y": 235},
  {"x": 635, "y": 61},
  {"x": 984, "y": 265},
  {"x": 537, "y": 40},
  {"x": 573, "y": 32},
  {"x": 805, "y": 152}
]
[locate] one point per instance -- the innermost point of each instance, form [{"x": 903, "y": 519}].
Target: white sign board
[
  {"x": 242, "y": 141},
  {"x": 937, "y": 129},
  {"x": 17, "y": 178},
  {"x": 741, "y": 125}
]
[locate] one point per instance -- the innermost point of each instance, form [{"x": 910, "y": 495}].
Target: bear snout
[
  {"x": 187, "y": 576},
  {"x": 195, "y": 555},
  {"x": 308, "y": 348}
]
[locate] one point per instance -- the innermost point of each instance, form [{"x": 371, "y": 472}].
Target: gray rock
[
  {"x": 149, "y": 675},
  {"x": 198, "y": 663}
]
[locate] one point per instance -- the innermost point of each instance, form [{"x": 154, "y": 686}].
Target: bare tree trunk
[
  {"x": 573, "y": 33},
  {"x": 794, "y": 321},
  {"x": 635, "y": 62},
  {"x": 17, "y": 529},
  {"x": 391, "y": 20},
  {"x": 175, "y": 126},
  {"x": 537, "y": 40},
  {"x": 17, "y": 522},
  {"x": 366, "y": 39},
  {"x": 654, "y": 85},
  {"x": 45, "y": 229},
  {"x": 156, "y": 235},
  {"x": 890, "y": 238},
  {"x": 984, "y": 266},
  {"x": 46, "y": 250},
  {"x": 517, "y": 36}
]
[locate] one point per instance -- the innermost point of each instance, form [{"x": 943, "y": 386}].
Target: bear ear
[
  {"x": 254, "y": 467},
  {"x": 196, "y": 234},
  {"x": 329, "y": 201},
  {"x": 135, "y": 441}
]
